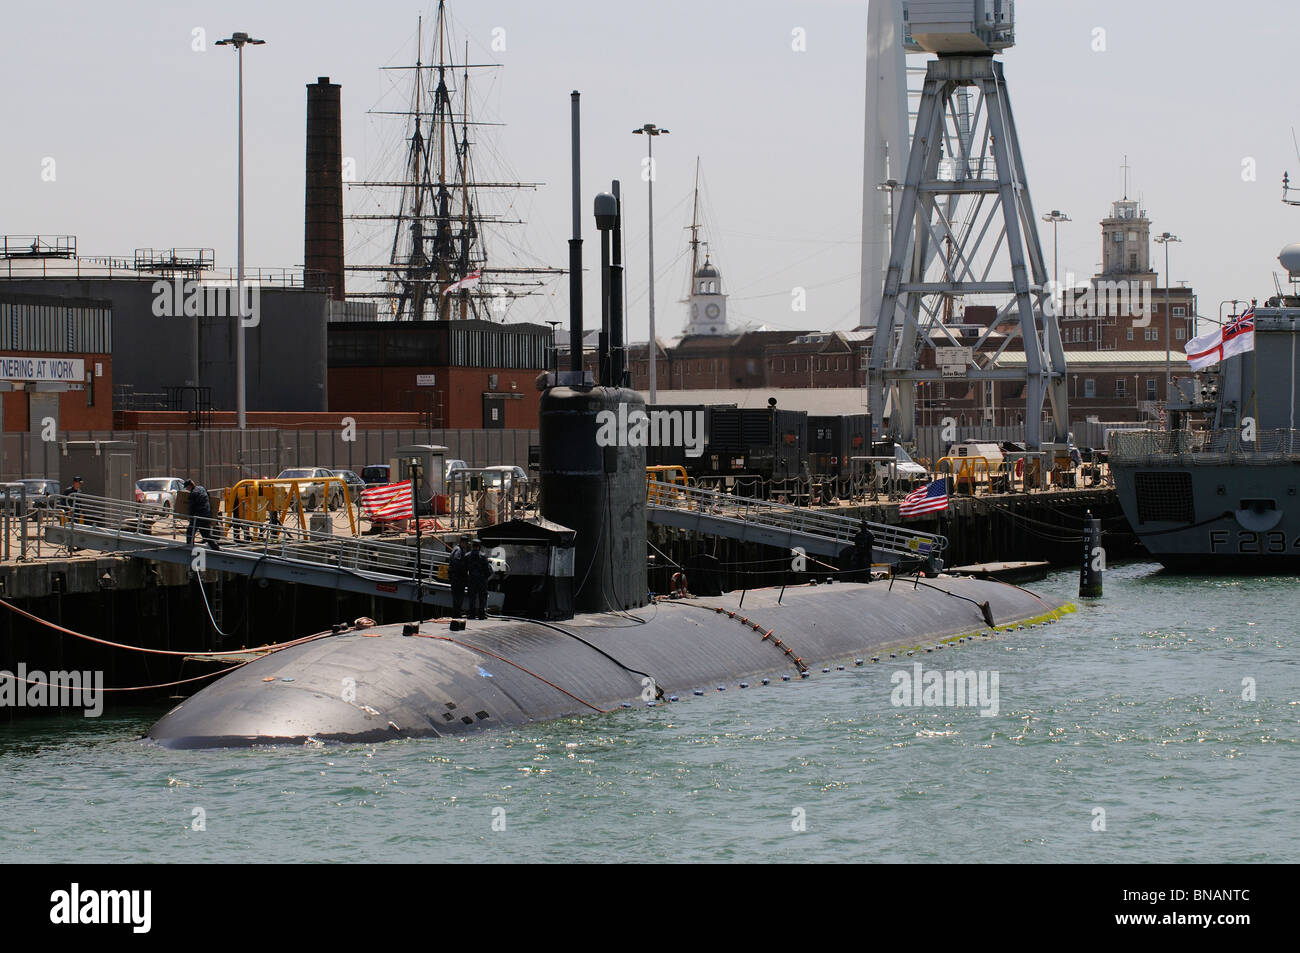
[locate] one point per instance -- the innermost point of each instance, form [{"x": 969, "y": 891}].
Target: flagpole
[{"x": 419, "y": 569}]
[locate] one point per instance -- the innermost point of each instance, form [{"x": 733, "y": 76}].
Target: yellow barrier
[
  {"x": 660, "y": 481},
  {"x": 970, "y": 471},
  {"x": 254, "y": 500}
]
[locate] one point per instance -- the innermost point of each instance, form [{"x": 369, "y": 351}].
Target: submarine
[{"x": 580, "y": 635}]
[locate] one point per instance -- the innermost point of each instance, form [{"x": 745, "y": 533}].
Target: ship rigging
[{"x": 438, "y": 266}]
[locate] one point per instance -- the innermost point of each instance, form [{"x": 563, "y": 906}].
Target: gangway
[
  {"x": 781, "y": 525},
  {"x": 254, "y": 549}
]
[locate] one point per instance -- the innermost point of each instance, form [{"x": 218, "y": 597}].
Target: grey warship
[{"x": 1226, "y": 498}]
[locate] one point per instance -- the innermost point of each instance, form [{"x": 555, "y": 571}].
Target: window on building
[
  {"x": 1151, "y": 388},
  {"x": 1180, "y": 334},
  {"x": 1179, "y": 311},
  {"x": 1121, "y": 387},
  {"x": 1089, "y": 387},
  {"x": 1132, "y": 262},
  {"x": 1130, "y": 334}
]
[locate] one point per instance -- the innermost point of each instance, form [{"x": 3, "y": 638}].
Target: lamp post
[
  {"x": 892, "y": 186},
  {"x": 650, "y": 130},
  {"x": 238, "y": 41},
  {"x": 1165, "y": 239},
  {"x": 1056, "y": 217}
]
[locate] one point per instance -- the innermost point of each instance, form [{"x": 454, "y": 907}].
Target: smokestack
[{"x": 323, "y": 212}]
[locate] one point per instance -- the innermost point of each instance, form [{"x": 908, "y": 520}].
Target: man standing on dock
[
  {"x": 480, "y": 571},
  {"x": 200, "y": 516}
]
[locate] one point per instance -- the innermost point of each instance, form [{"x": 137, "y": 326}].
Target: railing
[
  {"x": 1203, "y": 447},
  {"x": 891, "y": 539},
  {"x": 116, "y": 522},
  {"x": 32, "y": 265}
]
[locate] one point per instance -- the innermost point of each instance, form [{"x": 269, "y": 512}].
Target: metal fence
[
  {"x": 1205, "y": 448},
  {"x": 217, "y": 458}
]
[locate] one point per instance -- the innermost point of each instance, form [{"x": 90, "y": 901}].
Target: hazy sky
[{"x": 141, "y": 130}]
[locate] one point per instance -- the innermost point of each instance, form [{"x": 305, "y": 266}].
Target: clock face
[{"x": 712, "y": 310}]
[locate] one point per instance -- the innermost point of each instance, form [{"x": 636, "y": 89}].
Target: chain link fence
[{"x": 217, "y": 458}]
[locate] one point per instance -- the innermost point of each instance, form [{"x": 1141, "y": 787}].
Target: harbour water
[{"x": 1167, "y": 713}]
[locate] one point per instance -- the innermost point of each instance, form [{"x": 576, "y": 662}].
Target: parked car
[
  {"x": 355, "y": 485},
  {"x": 518, "y": 475},
  {"x": 313, "y": 494},
  {"x": 453, "y": 465},
  {"x": 376, "y": 474},
  {"x": 158, "y": 492},
  {"x": 41, "y": 494}
]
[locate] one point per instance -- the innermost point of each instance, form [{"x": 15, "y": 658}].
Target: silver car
[
  {"x": 158, "y": 493},
  {"x": 313, "y": 494}
]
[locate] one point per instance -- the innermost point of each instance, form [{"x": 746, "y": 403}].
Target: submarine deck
[{"x": 375, "y": 684}]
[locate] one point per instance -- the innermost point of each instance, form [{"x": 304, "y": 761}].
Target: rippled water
[{"x": 1134, "y": 705}]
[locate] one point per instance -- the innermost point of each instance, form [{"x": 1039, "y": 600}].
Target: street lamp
[
  {"x": 1056, "y": 217},
  {"x": 650, "y": 130},
  {"x": 238, "y": 41},
  {"x": 1165, "y": 239},
  {"x": 891, "y": 186}
]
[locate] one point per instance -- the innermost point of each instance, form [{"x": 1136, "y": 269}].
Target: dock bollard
[{"x": 1094, "y": 559}]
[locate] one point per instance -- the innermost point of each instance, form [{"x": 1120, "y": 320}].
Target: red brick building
[
  {"x": 56, "y": 363},
  {"x": 457, "y": 374}
]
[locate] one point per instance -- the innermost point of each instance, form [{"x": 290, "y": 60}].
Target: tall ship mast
[{"x": 438, "y": 266}]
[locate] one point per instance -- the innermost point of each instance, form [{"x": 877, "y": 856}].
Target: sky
[{"x": 124, "y": 132}]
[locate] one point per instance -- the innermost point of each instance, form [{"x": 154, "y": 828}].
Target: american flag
[
  {"x": 392, "y": 501},
  {"x": 928, "y": 499}
]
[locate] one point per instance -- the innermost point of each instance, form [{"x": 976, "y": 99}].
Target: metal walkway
[
  {"x": 779, "y": 524},
  {"x": 285, "y": 553}
]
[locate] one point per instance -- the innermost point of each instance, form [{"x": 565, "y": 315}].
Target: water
[{"x": 1133, "y": 705}]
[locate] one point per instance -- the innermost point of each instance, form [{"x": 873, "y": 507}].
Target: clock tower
[{"x": 708, "y": 314}]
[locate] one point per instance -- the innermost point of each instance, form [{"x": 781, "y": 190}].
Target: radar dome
[{"x": 1290, "y": 259}]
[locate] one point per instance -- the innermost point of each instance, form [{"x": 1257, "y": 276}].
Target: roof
[
  {"x": 822, "y": 401},
  {"x": 1101, "y": 358}
]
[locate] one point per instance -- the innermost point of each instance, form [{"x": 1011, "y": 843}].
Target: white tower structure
[
  {"x": 965, "y": 228},
  {"x": 885, "y": 147},
  {"x": 707, "y": 302}
]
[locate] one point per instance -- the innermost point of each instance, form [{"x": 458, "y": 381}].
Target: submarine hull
[{"x": 376, "y": 684}]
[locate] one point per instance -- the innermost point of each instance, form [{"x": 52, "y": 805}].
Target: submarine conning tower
[
  {"x": 593, "y": 481},
  {"x": 591, "y": 429}
]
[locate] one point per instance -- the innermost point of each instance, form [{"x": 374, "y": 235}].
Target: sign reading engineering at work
[{"x": 71, "y": 370}]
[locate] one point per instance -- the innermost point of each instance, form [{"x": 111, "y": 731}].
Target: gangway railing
[
  {"x": 246, "y": 547},
  {"x": 741, "y": 517}
]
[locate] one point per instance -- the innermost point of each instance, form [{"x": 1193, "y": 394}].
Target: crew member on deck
[
  {"x": 479, "y": 571},
  {"x": 458, "y": 576},
  {"x": 864, "y": 543}
]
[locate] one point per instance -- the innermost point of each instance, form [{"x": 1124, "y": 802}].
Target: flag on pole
[
  {"x": 928, "y": 499},
  {"x": 1236, "y": 337},
  {"x": 469, "y": 281},
  {"x": 392, "y": 501}
]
